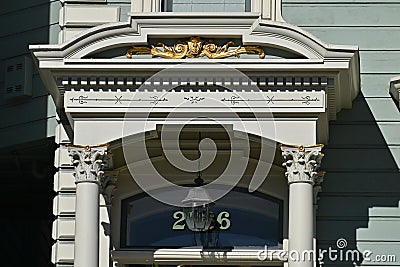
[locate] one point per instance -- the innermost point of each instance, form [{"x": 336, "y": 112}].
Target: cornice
[{"x": 75, "y": 60}]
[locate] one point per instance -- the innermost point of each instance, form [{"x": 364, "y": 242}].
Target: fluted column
[
  {"x": 301, "y": 164},
  {"x": 88, "y": 163}
]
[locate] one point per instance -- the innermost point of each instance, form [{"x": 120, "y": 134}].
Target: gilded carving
[{"x": 195, "y": 47}]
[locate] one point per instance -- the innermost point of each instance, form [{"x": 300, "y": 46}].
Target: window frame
[
  {"x": 126, "y": 201},
  {"x": 166, "y": 6}
]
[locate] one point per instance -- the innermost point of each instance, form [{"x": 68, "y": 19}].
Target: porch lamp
[{"x": 197, "y": 212}]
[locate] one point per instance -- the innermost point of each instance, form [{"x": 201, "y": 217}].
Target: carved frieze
[
  {"x": 195, "y": 47},
  {"x": 274, "y": 100}
]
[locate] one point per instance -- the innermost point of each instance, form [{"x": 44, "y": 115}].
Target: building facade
[{"x": 308, "y": 126}]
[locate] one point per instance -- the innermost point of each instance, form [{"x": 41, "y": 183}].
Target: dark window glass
[{"x": 246, "y": 219}]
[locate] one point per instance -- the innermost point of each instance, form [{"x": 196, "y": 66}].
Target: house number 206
[{"x": 222, "y": 219}]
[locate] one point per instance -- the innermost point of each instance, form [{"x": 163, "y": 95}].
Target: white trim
[
  {"x": 235, "y": 256},
  {"x": 279, "y": 81}
]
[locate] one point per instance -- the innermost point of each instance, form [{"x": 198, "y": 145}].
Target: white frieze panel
[
  {"x": 62, "y": 252},
  {"x": 64, "y": 228},
  {"x": 64, "y": 204},
  {"x": 262, "y": 101}
]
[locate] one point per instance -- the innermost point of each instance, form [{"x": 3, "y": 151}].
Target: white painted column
[
  {"x": 88, "y": 163},
  {"x": 301, "y": 164},
  {"x": 86, "y": 225}
]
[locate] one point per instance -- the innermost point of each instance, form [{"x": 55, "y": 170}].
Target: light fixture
[{"x": 197, "y": 212}]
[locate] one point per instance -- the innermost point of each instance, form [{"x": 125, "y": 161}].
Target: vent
[{"x": 18, "y": 78}]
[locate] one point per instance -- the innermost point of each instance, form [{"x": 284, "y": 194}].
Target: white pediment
[{"x": 245, "y": 26}]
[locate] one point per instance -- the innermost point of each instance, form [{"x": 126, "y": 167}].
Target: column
[
  {"x": 88, "y": 163},
  {"x": 301, "y": 164},
  {"x": 108, "y": 186}
]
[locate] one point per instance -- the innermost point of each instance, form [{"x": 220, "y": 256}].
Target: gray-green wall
[
  {"x": 24, "y": 23},
  {"x": 361, "y": 191}
]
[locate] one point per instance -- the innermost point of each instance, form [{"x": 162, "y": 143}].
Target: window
[
  {"x": 246, "y": 219},
  {"x": 206, "y": 5}
]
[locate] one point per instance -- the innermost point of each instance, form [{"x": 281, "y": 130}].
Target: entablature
[{"x": 277, "y": 67}]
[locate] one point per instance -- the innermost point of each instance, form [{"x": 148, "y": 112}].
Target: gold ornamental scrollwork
[{"x": 195, "y": 47}]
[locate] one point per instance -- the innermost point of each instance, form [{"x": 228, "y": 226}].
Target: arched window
[
  {"x": 206, "y": 5},
  {"x": 244, "y": 219}
]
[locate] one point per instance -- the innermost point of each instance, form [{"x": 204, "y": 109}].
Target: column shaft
[
  {"x": 88, "y": 163},
  {"x": 301, "y": 224},
  {"x": 87, "y": 225}
]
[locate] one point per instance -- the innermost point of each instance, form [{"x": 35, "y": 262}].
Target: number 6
[{"x": 223, "y": 220}]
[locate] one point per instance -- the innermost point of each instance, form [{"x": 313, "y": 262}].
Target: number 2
[{"x": 180, "y": 217}]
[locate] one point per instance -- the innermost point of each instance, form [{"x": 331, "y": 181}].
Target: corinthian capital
[
  {"x": 301, "y": 162},
  {"x": 88, "y": 163}
]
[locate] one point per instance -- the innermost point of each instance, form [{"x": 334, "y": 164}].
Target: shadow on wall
[
  {"x": 361, "y": 174},
  {"x": 26, "y": 198},
  {"x": 26, "y": 137},
  {"x": 24, "y": 103}
]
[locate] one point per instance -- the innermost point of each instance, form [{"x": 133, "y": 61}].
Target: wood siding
[{"x": 363, "y": 156}]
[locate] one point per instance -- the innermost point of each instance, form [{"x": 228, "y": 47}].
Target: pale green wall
[
  {"x": 23, "y": 23},
  {"x": 363, "y": 155}
]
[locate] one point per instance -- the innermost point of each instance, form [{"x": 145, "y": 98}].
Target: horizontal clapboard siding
[
  {"x": 17, "y": 22},
  {"x": 367, "y": 38},
  {"x": 12, "y": 6},
  {"x": 363, "y": 154},
  {"x": 29, "y": 118},
  {"x": 39, "y": 108},
  {"x": 340, "y": 14}
]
